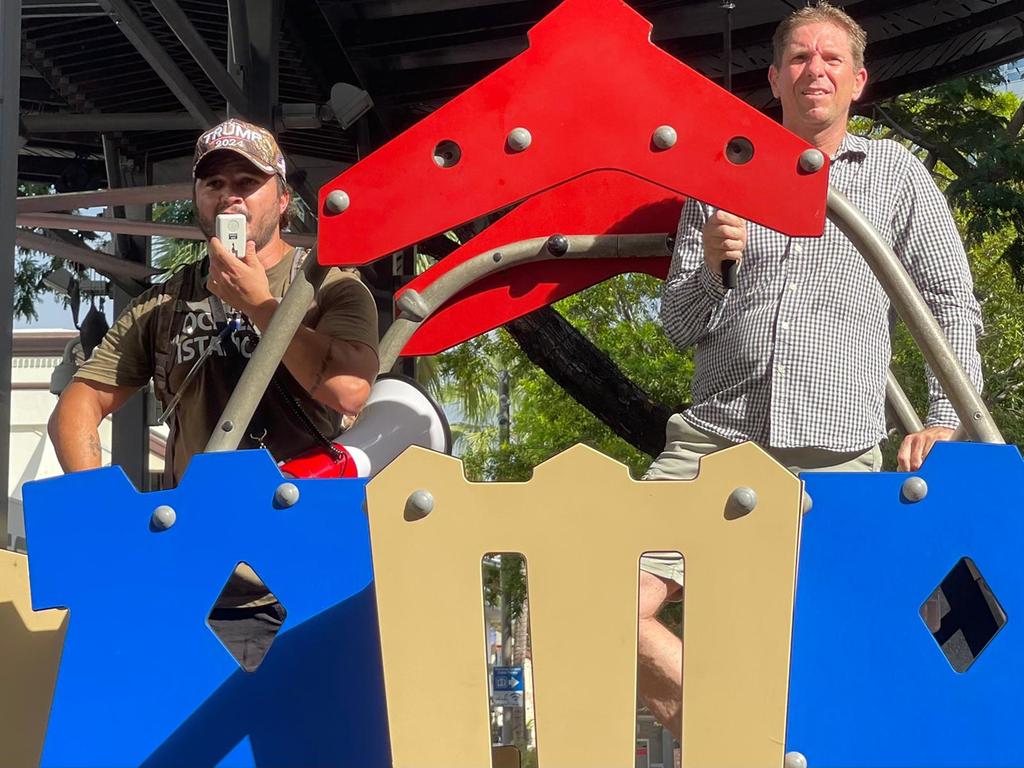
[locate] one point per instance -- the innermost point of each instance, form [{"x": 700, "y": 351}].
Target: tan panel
[
  {"x": 582, "y": 524},
  {"x": 30, "y": 648}
]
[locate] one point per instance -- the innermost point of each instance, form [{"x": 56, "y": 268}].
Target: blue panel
[
  {"x": 870, "y": 687},
  {"x": 143, "y": 680}
]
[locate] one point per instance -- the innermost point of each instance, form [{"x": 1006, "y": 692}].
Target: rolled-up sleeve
[
  {"x": 928, "y": 243},
  {"x": 692, "y": 294}
]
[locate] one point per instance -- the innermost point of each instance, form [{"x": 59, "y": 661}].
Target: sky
[{"x": 53, "y": 315}]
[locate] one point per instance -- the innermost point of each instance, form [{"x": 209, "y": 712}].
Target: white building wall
[{"x": 32, "y": 456}]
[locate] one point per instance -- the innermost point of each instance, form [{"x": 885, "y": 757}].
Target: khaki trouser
[{"x": 685, "y": 444}]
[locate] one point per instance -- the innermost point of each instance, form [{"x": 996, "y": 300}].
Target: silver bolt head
[
  {"x": 806, "y": 502},
  {"x": 794, "y": 760},
  {"x": 419, "y": 505},
  {"x": 286, "y": 495},
  {"x": 812, "y": 160},
  {"x": 163, "y": 517},
  {"x": 914, "y": 489},
  {"x": 743, "y": 498},
  {"x": 519, "y": 139},
  {"x": 664, "y": 137},
  {"x": 337, "y": 201}
]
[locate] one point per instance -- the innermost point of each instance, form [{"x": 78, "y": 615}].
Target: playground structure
[{"x": 345, "y": 683}]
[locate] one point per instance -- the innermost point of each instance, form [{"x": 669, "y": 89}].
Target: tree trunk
[
  {"x": 520, "y": 653},
  {"x": 591, "y": 378}
]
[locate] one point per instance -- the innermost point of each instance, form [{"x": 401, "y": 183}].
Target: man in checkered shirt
[{"x": 795, "y": 356}]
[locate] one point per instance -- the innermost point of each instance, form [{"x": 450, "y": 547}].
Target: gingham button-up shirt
[{"x": 796, "y": 355}]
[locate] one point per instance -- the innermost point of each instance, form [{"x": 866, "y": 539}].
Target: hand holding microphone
[
  {"x": 725, "y": 239},
  {"x": 230, "y": 230}
]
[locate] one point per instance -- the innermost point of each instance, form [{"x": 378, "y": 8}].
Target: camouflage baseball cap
[{"x": 255, "y": 144}]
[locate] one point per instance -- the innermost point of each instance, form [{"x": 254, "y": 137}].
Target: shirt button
[
  {"x": 785, "y": 325},
  {"x": 798, "y": 249},
  {"x": 792, "y": 286},
  {"x": 781, "y": 369}
]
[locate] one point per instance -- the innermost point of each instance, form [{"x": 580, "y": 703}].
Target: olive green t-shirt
[
  {"x": 169, "y": 326},
  {"x": 343, "y": 309}
]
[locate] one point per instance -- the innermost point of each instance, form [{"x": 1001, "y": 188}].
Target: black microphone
[{"x": 730, "y": 267}]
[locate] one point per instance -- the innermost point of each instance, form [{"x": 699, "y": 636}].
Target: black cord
[{"x": 304, "y": 417}]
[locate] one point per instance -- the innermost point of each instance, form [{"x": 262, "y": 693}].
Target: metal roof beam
[
  {"x": 62, "y": 221},
  {"x": 104, "y": 263},
  {"x": 389, "y": 9},
  {"x": 972, "y": 22},
  {"x": 196, "y": 45},
  {"x": 103, "y": 197},
  {"x": 933, "y": 75},
  {"x": 104, "y": 122},
  {"x": 253, "y": 32},
  {"x": 161, "y": 62}
]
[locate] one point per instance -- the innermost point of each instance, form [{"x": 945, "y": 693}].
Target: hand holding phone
[{"x": 230, "y": 230}]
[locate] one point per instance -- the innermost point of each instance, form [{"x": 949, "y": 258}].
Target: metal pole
[
  {"x": 506, "y": 640},
  {"x": 262, "y": 20},
  {"x": 129, "y": 447},
  {"x": 10, "y": 73},
  {"x": 416, "y": 307},
  {"x": 504, "y": 410},
  {"x": 974, "y": 415},
  {"x": 899, "y": 405},
  {"x": 728, "y": 7},
  {"x": 264, "y": 361}
]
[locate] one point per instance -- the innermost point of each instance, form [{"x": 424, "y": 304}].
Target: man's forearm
[
  {"x": 335, "y": 373},
  {"x": 76, "y": 439},
  {"x": 689, "y": 303}
]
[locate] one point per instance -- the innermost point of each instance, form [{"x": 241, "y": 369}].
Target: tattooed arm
[
  {"x": 335, "y": 372},
  {"x": 74, "y": 424}
]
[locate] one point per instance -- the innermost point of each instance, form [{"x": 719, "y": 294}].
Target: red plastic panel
[
  {"x": 605, "y": 202},
  {"x": 591, "y": 89}
]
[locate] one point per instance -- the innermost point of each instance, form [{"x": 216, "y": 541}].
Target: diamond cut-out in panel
[
  {"x": 246, "y": 617},
  {"x": 963, "y": 615}
]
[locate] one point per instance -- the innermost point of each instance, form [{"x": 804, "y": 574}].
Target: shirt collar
[{"x": 851, "y": 147}]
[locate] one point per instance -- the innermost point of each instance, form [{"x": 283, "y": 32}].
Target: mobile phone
[{"x": 231, "y": 231}]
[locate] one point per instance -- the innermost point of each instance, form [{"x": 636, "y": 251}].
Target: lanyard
[{"x": 226, "y": 327}]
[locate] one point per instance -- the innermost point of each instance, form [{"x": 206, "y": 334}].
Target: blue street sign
[{"x": 508, "y": 679}]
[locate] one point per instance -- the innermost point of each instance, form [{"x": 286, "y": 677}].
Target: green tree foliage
[
  {"x": 29, "y": 271},
  {"x": 32, "y": 266},
  {"x": 968, "y": 132},
  {"x": 620, "y": 317},
  {"x": 169, "y": 253}
]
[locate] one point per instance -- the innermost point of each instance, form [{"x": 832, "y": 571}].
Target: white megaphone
[{"x": 399, "y": 413}]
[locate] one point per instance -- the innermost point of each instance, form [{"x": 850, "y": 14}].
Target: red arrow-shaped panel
[
  {"x": 597, "y": 204},
  {"x": 588, "y": 94}
]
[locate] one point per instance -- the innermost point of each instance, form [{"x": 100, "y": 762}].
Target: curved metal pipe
[
  {"x": 415, "y": 307},
  {"x": 264, "y": 361},
  {"x": 900, "y": 407},
  {"x": 974, "y": 416}
]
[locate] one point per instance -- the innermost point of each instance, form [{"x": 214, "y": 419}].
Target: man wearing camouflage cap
[{"x": 193, "y": 334}]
